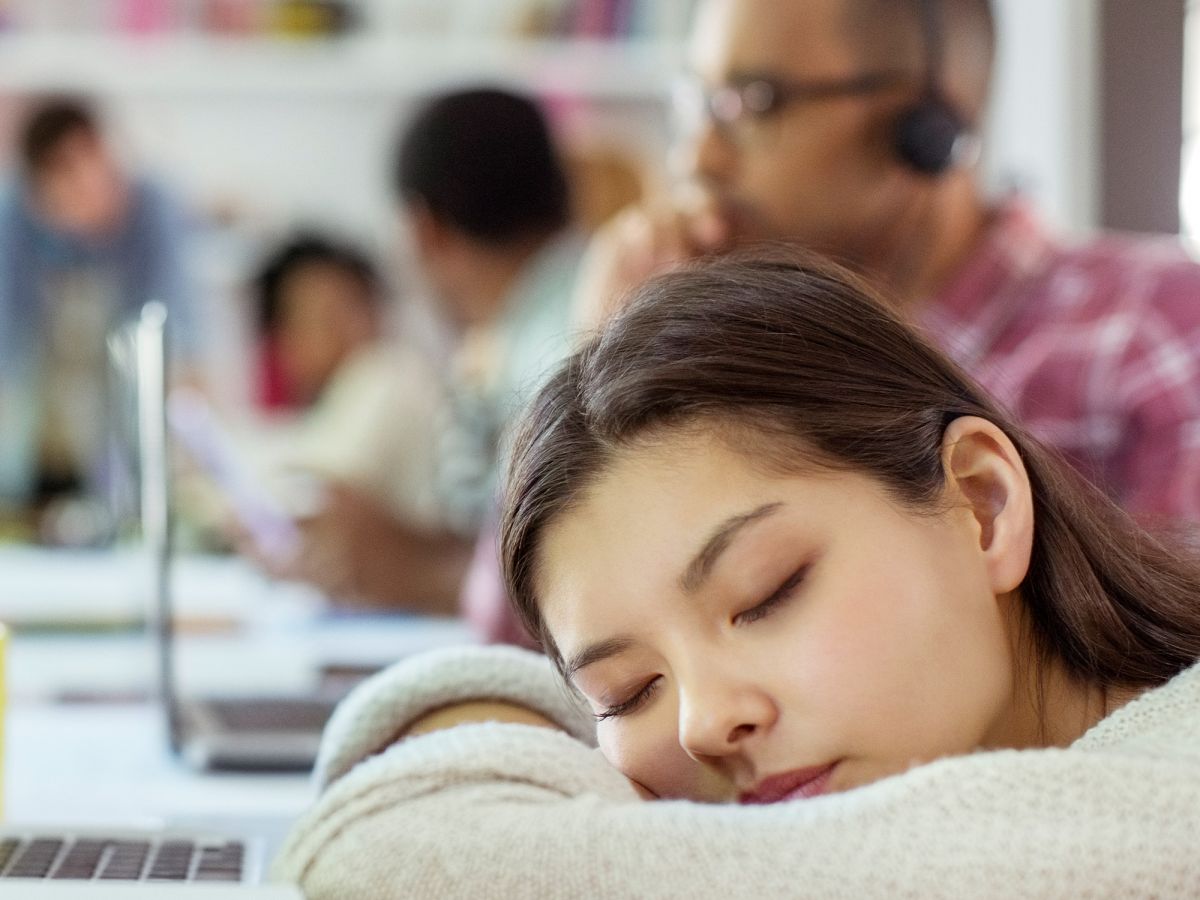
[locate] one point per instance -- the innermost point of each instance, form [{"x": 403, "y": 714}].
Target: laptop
[
  {"x": 242, "y": 733},
  {"x": 48, "y": 863},
  {"x": 91, "y": 864}
]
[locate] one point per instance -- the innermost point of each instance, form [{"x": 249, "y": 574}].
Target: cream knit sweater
[{"x": 499, "y": 810}]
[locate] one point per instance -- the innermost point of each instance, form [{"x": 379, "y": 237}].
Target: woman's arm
[
  {"x": 505, "y": 681},
  {"x": 513, "y": 811},
  {"x": 509, "y": 810}
]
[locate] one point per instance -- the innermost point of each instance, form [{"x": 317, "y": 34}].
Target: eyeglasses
[{"x": 753, "y": 99}]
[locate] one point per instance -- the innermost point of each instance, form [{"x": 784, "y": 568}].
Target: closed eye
[
  {"x": 777, "y": 598},
  {"x": 625, "y": 707}
]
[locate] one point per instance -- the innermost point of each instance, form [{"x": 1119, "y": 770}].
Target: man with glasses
[{"x": 848, "y": 127}]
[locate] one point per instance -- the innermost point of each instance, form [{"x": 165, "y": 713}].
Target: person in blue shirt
[{"x": 83, "y": 246}]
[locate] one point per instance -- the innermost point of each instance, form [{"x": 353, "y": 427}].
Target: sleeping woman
[{"x": 819, "y": 619}]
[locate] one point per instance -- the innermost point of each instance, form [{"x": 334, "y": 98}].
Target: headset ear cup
[{"x": 926, "y": 136}]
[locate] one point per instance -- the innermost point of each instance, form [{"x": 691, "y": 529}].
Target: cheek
[
  {"x": 917, "y": 667},
  {"x": 650, "y": 754}
]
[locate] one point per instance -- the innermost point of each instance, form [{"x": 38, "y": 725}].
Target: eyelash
[
  {"x": 781, "y": 594},
  {"x": 754, "y": 614},
  {"x": 625, "y": 707}
]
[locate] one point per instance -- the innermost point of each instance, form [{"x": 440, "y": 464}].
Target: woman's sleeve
[
  {"x": 517, "y": 811},
  {"x": 377, "y": 713}
]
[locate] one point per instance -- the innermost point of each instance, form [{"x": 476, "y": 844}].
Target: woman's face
[{"x": 758, "y": 637}]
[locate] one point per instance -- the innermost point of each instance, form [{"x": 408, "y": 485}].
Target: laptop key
[
  {"x": 173, "y": 862},
  {"x": 37, "y": 859},
  {"x": 222, "y": 863},
  {"x": 7, "y": 847},
  {"x": 126, "y": 861},
  {"x": 81, "y": 860}
]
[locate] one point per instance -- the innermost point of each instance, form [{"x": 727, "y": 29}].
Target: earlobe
[{"x": 984, "y": 470}]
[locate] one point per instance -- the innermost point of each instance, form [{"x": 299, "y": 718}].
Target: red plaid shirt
[{"x": 1094, "y": 347}]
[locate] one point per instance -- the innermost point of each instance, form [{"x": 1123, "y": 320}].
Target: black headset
[{"x": 931, "y": 135}]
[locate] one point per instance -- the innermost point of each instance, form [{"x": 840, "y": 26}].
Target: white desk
[
  {"x": 107, "y": 762},
  {"x": 114, "y": 587},
  {"x": 273, "y": 657},
  {"x": 239, "y": 632}
]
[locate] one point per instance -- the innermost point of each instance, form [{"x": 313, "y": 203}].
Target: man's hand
[
  {"x": 357, "y": 552},
  {"x": 636, "y": 245}
]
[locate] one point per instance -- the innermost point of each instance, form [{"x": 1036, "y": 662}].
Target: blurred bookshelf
[
  {"x": 358, "y": 65},
  {"x": 601, "y": 49}
]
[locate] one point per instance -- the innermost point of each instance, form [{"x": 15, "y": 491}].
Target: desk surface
[
  {"x": 238, "y": 632},
  {"x": 106, "y": 762},
  {"x": 105, "y": 589},
  {"x": 281, "y": 657},
  {"x": 109, "y": 764}
]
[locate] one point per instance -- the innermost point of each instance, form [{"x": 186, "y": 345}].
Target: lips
[{"x": 799, "y": 784}]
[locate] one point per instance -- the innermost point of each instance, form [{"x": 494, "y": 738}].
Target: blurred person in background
[
  {"x": 365, "y": 408},
  {"x": 488, "y": 202},
  {"x": 850, "y": 127},
  {"x": 84, "y": 244},
  {"x": 317, "y": 304},
  {"x": 489, "y": 205}
]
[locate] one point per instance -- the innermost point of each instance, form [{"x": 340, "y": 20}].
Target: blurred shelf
[{"x": 173, "y": 65}]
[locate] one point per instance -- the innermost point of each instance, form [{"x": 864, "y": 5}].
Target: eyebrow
[
  {"x": 593, "y": 653},
  {"x": 701, "y": 565},
  {"x": 695, "y": 573}
]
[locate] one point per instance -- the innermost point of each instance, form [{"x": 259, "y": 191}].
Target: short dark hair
[
  {"x": 799, "y": 362},
  {"x": 303, "y": 249},
  {"x": 48, "y": 124},
  {"x": 483, "y": 161}
]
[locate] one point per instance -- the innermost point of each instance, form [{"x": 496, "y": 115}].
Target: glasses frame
[{"x": 758, "y": 97}]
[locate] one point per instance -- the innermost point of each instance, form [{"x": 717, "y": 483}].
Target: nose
[
  {"x": 719, "y": 716},
  {"x": 713, "y": 154}
]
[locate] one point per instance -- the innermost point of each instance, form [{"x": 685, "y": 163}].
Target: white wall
[{"x": 1043, "y": 134}]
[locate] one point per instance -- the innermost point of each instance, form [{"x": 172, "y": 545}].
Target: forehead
[
  {"x": 320, "y": 275},
  {"x": 800, "y": 37},
  {"x": 619, "y": 553}
]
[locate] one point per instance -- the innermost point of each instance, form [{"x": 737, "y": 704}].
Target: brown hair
[
  {"x": 48, "y": 125},
  {"x": 801, "y": 355}
]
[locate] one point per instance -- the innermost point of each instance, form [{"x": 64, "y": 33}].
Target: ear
[{"x": 985, "y": 475}]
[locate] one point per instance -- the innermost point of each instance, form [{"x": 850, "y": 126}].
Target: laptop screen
[{"x": 149, "y": 345}]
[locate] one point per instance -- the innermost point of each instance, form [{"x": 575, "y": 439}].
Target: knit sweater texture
[{"x": 505, "y": 811}]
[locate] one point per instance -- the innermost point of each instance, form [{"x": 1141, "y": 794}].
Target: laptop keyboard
[{"x": 87, "y": 859}]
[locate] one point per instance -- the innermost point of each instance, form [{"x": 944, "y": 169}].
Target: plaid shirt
[{"x": 1095, "y": 348}]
